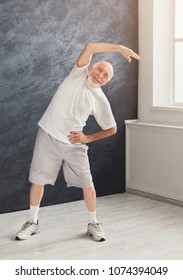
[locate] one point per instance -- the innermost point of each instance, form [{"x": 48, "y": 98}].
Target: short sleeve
[{"x": 104, "y": 116}]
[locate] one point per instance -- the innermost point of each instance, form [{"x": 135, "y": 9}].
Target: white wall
[
  {"x": 154, "y": 143},
  {"x": 154, "y": 159}
]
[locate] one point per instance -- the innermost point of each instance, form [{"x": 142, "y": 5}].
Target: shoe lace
[
  {"x": 26, "y": 225},
  {"x": 97, "y": 226}
]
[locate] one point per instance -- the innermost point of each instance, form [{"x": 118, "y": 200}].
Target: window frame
[
  {"x": 175, "y": 42},
  {"x": 148, "y": 110},
  {"x": 163, "y": 53}
]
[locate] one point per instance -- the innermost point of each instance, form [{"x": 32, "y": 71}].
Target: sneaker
[
  {"x": 28, "y": 229},
  {"x": 96, "y": 232}
]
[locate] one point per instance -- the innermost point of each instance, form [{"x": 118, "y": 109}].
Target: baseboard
[{"x": 155, "y": 197}]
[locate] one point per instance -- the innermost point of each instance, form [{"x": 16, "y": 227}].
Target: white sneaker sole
[
  {"x": 27, "y": 237},
  {"x": 96, "y": 239}
]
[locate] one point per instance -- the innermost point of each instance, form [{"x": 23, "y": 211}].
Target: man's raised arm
[{"x": 93, "y": 48}]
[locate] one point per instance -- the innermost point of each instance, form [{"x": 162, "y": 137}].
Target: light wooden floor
[{"x": 137, "y": 228}]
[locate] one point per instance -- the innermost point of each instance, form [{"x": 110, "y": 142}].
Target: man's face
[{"x": 99, "y": 75}]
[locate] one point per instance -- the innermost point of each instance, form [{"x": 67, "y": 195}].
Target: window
[
  {"x": 163, "y": 30},
  {"x": 157, "y": 102},
  {"x": 178, "y": 54},
  {"x": 168, "y": 53}
]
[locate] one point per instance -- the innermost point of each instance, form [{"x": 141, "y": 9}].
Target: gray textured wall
[{"x": 40, "y": 41}]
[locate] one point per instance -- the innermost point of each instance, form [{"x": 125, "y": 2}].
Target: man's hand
[
  {"x": 128, "y": 53},
  {"x": 77, "y": 137}
]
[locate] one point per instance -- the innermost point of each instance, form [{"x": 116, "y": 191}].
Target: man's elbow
[
  {"x": 113, "y": 130},
  {"x": 90, "y": 47}
]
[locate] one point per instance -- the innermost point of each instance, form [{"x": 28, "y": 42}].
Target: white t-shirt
[{"x": 72, "y": 104}]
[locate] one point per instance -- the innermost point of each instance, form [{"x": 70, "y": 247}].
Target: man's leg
[
  {"x": 94, "y": 228},
  {"x": 90, "y": 201},
  {"x": 31, "y": 226},
  {"x": 90, "y": 198},
  {"x": 77, "y": 173},
  {"x": 36, "y": 194}
]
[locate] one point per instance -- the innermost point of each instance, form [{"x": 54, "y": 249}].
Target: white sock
[
  {"x": 92, "y": 217},
  {"x": 33, "y": 214}
]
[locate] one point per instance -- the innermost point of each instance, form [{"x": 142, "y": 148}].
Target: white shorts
[{"x": 50, "y": 154}]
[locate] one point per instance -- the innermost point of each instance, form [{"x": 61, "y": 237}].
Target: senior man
[{"x": 61, "y": 141}]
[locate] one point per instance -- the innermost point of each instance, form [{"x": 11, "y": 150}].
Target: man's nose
[{"x": 100, "y": 74}]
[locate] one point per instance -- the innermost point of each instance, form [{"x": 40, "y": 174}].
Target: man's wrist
[{"x": 88, "y": 139}]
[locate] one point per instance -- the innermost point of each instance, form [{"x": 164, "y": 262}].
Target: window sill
[
  {"x": 167, "y": 108},
  {"x": 138, "y": 123}
]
